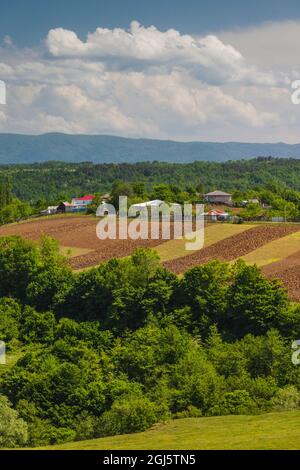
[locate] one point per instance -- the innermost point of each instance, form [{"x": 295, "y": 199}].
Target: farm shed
[{"x": 50, "y": 210}]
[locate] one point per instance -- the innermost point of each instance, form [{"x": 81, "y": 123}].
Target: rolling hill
[
  {"x": 19, "y": 148},
  {"x": 274, "y": 431}
]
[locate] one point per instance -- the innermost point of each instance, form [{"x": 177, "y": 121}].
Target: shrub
[
  {"x": 10, "y": 314},
  {"x": 127, "y": 415},
  {"x": 13, "y": 430},
  {"x": 42, "y": 433},
  {"x": 190, "y": 412},
  {"x": 287, "y": 398},
  {"x": 234, "y": 403}
]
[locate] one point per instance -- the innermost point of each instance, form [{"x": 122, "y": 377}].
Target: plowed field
[
  {"x": 79, "y": 232},
  {"x": 232, "y": 247},
  {"x": 224, "y": 242},
  {"x": 288, "y": 271}
]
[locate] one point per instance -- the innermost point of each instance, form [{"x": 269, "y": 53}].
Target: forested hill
[
  {"x": 16, "y": 148},
  {"x": 54, "y": 180}
]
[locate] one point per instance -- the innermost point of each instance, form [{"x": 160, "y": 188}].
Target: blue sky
[
  {"x": 28, "y": 21},
  {"x": 183, "y": 70}
]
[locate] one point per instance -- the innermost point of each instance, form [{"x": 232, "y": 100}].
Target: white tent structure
[
  {"x": 142, "y": 205},
  {"x": 160, "y": 207}
]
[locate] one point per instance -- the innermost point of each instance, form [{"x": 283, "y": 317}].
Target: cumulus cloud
[
  {"x": 270, "y": 45},
  {"x": 143, "y": 82},
  {"x": 207, "y": 57}
]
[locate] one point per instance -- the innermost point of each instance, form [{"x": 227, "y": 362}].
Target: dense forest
[
  {"x": 52, "y": 181},
  {"x": 122, "y": 346}
]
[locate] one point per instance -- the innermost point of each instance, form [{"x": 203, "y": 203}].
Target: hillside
[
  {"x": 274, "y": 431},
  {"x": 54, "y": 179},
  {"x": 19, "y": 148}
]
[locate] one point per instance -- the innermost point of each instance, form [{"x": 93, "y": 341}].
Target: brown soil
[
  {"x": 232, "y": 247},
  {"x": 288, "y": 271},
  {"x": 79, "y": 232}
]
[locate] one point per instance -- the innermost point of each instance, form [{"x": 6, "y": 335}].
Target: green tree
[
  {"x": 13, "y": 430},
  {"x": 204, "y": 289},
  {"x": 254, "y": 302},
  {"x": 10, "y": 317}
]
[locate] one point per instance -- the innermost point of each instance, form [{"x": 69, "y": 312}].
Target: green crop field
[{"x": 268, "y": 431}]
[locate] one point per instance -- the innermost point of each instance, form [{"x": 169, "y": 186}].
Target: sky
[{"x": 180, "y": 70}]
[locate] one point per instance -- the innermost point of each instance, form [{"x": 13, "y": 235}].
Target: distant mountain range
[{"x": 17, "y": 148}]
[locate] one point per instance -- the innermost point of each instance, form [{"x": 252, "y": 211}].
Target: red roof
[
  {"x": 85, "y": 198},
  {"x": 216, "y": 212}
]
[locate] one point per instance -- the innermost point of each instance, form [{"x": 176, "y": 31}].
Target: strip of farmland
[
  {"x": 232, "y": 247},
  {"x": 288, "y": 271}
]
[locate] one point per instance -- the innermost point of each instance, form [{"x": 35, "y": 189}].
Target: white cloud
[
  {"x": 271, "y": 46},
  {"x": 207, "y": 57},
  {"x": 7, "y": 41},
  {"x": 146, "y": 83}
]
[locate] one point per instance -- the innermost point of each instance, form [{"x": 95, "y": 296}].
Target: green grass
[
  {"x": 275, "y": 250},
  {"x": 72, "y": 251},
  {"x": 271, "y": 431},
  {"x": 213, "y": 233}
]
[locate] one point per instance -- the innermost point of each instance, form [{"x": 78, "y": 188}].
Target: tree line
[{"x": 127, "y": 344}]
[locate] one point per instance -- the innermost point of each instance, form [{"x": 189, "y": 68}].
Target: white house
[
  {"x": 82, "y": 201},
  {"x": 50, "y": 210}
]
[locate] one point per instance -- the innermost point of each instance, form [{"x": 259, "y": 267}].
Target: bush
[
  {"x": 10, "y": 314},
  {"x": 127, "y": 415},
  {"x": 13, "y": 430},
  {"x": 42, "y": 433},
  {"x": 234, "y": 403},
  {"x": 190, "y": 412},
  {"x": 287, "y": 398},
  {"x": 38, "y": 327}
]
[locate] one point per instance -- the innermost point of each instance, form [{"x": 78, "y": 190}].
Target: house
[
  {"x": 216, "y": 215},
  {"x": 83, "y": 201},
  {"x": 78, "y": 204},
  {"x": 157, "y": 203},
  {"x": 66, "y": 207},
  {"x": 218, "y": 197},
  {"x": 49, "y": 211}
]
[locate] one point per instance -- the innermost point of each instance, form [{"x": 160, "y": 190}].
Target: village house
[
  {"x": 82, "y": 201},
  {"x": 216, "y": 215},
  {"x": 218, "y": 197},
  {"x": 78, "y": 204}
]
